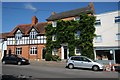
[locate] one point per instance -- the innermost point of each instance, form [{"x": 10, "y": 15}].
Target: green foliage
[
  {"x": 48, "y": 57},
  {"x": 65, "y": 32},
  {"x": 55, "y": 58}
]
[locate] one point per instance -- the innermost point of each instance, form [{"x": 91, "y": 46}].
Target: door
[
  {"x": 117, "y": 56},
  {"x": 43, "y": 53},
  {"x": 65, "y": 52}
]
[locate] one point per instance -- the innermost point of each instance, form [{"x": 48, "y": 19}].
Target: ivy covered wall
[{"x": 65, "y": 33}]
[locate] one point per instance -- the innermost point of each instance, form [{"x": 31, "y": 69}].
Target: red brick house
[
  {"x": 28, "y": 40},
  {"x": 63, "y": 52}
]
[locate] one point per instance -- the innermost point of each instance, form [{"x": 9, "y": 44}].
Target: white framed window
[
  {"x": 76, "y": 18},
  {"x": 77, "y": 51},
  {"x": 117, "y": 19},
  {"x": 33, "y": 34},
  {"x": 98, "y": 22},
  {"x": 55, "y": 51},
  {"x": 33, "y": 50},
  {"x": 18, "y": 35},
  {"x": 54, "y": 23},
  {"x": 77, "y": 34},
  {"x": 118, "y": 36},
  {"x": 54, "y": 38},
  {"x": 98, "y": 39},
  {"x": 18, "y": 51}
]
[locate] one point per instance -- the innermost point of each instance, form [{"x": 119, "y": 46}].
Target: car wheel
[
  {"x": 70, "y": 66},
  {"x": 95, "y": 68},
  {"x": 4, "y": 62},
  {"x": 19, "y": 63}
]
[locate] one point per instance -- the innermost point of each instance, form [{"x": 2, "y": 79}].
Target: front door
[
  {"x": 65, "y": 52},
  {"x": 43, "y": 53},
  {"x": 117, "y": 56}
]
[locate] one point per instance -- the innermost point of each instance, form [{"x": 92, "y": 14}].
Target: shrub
[
  {"x": 55, "y": 58},
  {"x": 48, "y": 57}
]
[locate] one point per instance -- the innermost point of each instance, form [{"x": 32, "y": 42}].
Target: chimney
[
  {"x": 34, "y": 20},
  {"x": 53, "y": 13},
  {"x": 91, "y": 5}
]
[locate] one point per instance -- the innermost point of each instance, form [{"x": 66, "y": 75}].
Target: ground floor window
[
  {"x": 77, "y": 51},
  {"x": 104, "y": 55},
  {"x": 55, "y": 51},
  {"x": 18, "y": 51},
  {"x": 33, "y": 50}
]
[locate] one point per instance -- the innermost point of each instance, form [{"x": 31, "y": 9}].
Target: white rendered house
[{"x": 107, "y": 40}]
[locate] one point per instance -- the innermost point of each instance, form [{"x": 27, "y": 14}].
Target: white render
[{"x": 107, "y": 30}]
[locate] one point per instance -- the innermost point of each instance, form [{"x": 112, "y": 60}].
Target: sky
[{"x": 15, "y": 13}]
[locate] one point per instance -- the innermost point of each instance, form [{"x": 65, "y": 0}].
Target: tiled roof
[
  {"x": 70, "y": 13},
  {"x": 25, "y": 29}
]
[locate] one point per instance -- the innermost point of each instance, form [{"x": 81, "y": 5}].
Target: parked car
[
  {"x": 83, "y": 62},
  {"x": 14, "y": 59}
]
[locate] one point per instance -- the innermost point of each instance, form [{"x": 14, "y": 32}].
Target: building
[
  {"x": 27, "y": 40},
  {"x": 63, "y": 52},
  {"x": 3, "y": 44},
  {"x": 107, "y": 41}
]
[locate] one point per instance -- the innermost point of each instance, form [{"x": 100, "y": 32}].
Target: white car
[{"x": 83, "y": 62}]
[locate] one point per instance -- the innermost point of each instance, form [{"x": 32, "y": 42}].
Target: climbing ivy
[{"x": 65, "y": 32}]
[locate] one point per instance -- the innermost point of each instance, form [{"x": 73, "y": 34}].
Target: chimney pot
[{"x": 53, "y": 13}]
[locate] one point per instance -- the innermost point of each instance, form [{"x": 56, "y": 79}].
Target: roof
[
  {"x": 3, "y": 35},
  {"x": 71, "y": 13},
  {"x": 25, "y": 29}
]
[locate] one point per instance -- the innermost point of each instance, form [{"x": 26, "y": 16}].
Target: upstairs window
[
  {"x": 118, "y": 36},
  {"x": 98, "y": 39},
  {"x": 54, "y": 38},
  {"x": 54, "y": 23},
  {"x": 98, "y": 22},
  {"x": 77, "y": 51},
  {"x": 33, "y": 50},
  {"x": 117, "y": 19},
  {"x": 18, "y": 35},
  {"x": 33, "y": 34},
  {"x": 18, "y": 51},
  {"x": 77, "y": 18},
  {"x": 77, "y": 35}
]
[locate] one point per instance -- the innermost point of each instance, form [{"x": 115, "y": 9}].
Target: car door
[
  {"x": 77, "y": 62},
  {"x": 86, "y": 63},
  {"x": 13, "y": 59}
]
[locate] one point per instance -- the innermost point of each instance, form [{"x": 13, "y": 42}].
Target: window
[
  {"x": 77, "y": 51},
  {"x": 18, "y": 51},
  {"x": 98, "y": 38},
  {"x": 18, "y": 35},
  {"x": 33, "y": 50},
  {"x": 54, "y": 23},
  {"x": 33, "y": 34},
  {"x": 77, "y": 18},
  {"x": 118, "y": 36},
  {"x": 117, "y": 19},
  {"x": 76, "y": 58},
  {"x": 54, "y": 38},
  {"x": 77, "y": 35},
  {"x": 98, "y": 22},
  {"x": 55, "y": 51}
]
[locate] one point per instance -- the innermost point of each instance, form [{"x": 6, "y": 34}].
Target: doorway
[
  {"x": 65, "y": 52},
  {"x": 117, "y": 56},
  {"x": 43, "y": 53}
]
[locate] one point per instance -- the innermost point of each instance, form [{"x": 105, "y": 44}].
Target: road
[{"x": 51, "y": 70}]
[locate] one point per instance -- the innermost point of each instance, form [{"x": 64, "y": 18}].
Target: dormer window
[
  {"x": 18, "y": 35},
  {"x": 33, "y": 34},
  {"x": 54, "y": 23},
  {"x": 77, "y": 18}
]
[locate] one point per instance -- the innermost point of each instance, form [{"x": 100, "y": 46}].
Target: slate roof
[
  {"x": 3, "y": 35},
  {"x": 71, "y": 13}
]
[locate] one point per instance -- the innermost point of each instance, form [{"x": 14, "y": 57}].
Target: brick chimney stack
[
  {"x": 34, "y": 20},
  {"x": 91, "y": 5}
]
